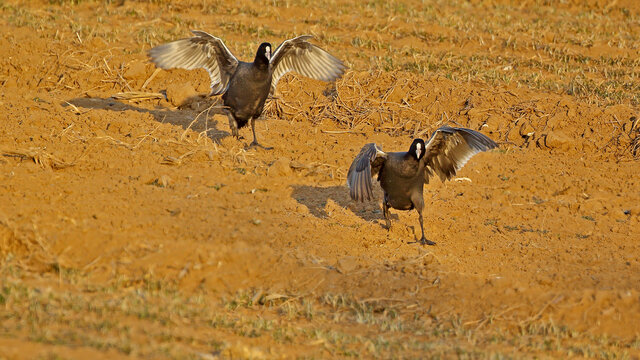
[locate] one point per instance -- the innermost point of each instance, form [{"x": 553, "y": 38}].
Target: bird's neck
[
  {"x": 410, "y": 156},
  {"x": 261, "y": 62}
]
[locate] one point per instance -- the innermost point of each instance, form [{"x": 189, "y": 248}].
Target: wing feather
[
  {"x": 366, "y": 165},
  {"x": 201, "y": 51},
  {"x": 449, "y": 149},
  {"x": 301, "y": 56}
]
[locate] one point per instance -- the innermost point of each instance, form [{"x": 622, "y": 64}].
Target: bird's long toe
[
  {"x": 424, "y": 241},
  {"x": 257, "y": 144}
]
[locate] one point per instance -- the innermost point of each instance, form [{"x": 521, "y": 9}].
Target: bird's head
[
  {"x": 264, "y": 53},
  {"x": 417, "y": 149}
]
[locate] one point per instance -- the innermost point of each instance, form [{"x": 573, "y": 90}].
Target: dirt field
[{"x": 137, "y": 227}]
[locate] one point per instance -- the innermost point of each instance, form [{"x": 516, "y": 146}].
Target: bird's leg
[
  {"x": 255, "y": 140},
  {"x": 385, "y": 212},
  {"x": 423, "y": 240},
  {"x": 233, "y": 124}
]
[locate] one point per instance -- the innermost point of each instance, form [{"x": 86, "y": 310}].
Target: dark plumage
[
  {"x": 402, "y": 175},
  {"x": 245, "y": 86}
]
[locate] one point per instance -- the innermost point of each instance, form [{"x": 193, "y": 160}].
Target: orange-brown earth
[{"x": 137, "y": 227}]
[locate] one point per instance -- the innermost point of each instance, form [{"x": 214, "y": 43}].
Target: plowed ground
[{"x": 137, "y": 227}]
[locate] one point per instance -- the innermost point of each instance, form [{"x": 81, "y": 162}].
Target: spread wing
[
  {"x": 367, "y": 164},
  {"x": 201, "y": 51},
  {"x": 306, "y": 59},
  {"x": 450, "y": 148}
]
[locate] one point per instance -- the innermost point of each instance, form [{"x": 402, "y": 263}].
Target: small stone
[
  {"x": 280, "y": 167},
  {"x": 556, "y": 121},
  {"x": 495, "y": 123},
  {"x": 137, "y": 70},
  {"x": 559, "y": 140},
  {"x": 347, "y": 264},
  {"x": 179, "y": 94}
]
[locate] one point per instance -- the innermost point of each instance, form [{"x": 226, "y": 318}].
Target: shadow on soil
[
  {"x": 315, "y": 198},
  {"x": 197, "y": 106}
]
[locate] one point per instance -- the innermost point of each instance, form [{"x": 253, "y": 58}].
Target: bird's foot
[
  {"x": 255, "y": 143},
  {"x": 424, "y": 241}
]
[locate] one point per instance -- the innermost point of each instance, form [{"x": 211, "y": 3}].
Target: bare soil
[{"x": 133, "y": 225}]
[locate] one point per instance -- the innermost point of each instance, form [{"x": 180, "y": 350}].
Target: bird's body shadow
[
  {"x": 315, "y": 198},
  {"x": 198, "y": 108}
]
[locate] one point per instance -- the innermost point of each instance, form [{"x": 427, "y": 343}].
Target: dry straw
[{"x": 39, "y": 156}]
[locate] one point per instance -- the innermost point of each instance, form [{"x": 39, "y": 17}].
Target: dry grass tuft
[
  {"x": 40, "y": 157},
  {"x": 24, "y": 247},
  {"x": 138, "y": 95},
  {"x": 171, "y": 160}
]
